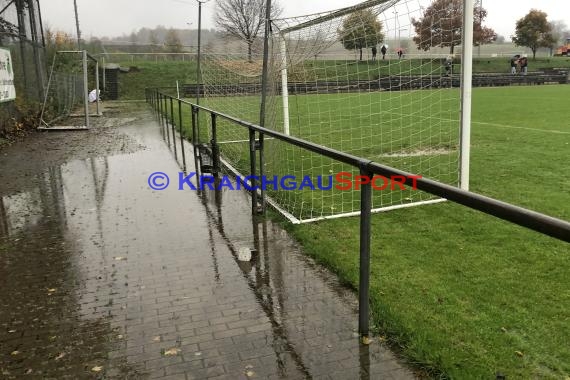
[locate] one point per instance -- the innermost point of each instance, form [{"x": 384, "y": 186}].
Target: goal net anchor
[{"x": 67, "y": 94}]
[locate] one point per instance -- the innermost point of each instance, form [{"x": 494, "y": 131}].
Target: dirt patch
[
  {"x": 24, "y": 160},
  {"x": 419, "y": 153},
  {"x": 243, "y": 67}
]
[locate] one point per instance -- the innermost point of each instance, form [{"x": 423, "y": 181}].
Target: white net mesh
[{"x": 352, "y": 85}]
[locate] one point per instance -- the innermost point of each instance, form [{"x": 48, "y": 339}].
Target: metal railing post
[
  {"x": 173, "y": 127},
  {"x": 252, "y": 154},
  {"x": 194, "y": 144},
  {"x": 364, "y": 278},
  {"x": 97, "y": 89},
  {"x": 166, "y": 119},
  {"x": 86, "y": 88},
  {"x": 262, "y": 171},
  {"x": 155, "y": 100},
  {"x": 181, "y": 134},
  {"x": 215, "y": 147},
  {"x": 159, "y": 107}
]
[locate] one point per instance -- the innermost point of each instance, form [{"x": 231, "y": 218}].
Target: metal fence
[
  {"x": 21, "y": 32},
  {"x": 170, "y": 116}
]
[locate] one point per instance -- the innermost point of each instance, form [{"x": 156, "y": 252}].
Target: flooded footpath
[{"x": 105, "y": 278}]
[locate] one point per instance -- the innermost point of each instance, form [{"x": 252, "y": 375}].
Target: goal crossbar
[{"x": 338, "y": 13}]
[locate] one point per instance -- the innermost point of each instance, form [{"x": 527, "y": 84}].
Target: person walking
[
  {"x": 448, "y": 65},
  {"x": 514, "y": 64},
  {"x": 384, "y": 50},
  {"x": 523, "y": 62},
  {"x": 400, "y": 53},
  {"x": 374, "y": 51}
]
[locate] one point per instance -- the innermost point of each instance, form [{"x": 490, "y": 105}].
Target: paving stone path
[{"x": 103, "y": 278}]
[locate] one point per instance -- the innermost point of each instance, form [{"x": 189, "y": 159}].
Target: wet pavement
[{"x": 104, "y": 278}]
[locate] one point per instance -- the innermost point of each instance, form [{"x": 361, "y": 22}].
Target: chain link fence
[{"x": 21, "y": 32}]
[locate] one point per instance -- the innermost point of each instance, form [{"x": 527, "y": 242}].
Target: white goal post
[
  {"x": 466, "y": 92},
  {"x": 72, "y": 74},
  {"x": 404, "y": 108}
]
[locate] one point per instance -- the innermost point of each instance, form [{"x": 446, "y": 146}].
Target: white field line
[
  {"x": 553, "y": 131},
  {"x": 524, "y": 128}
]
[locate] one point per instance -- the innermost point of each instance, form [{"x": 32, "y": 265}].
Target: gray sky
[{"x": 116, "y": 17}]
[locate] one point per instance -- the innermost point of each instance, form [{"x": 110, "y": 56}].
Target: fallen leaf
[
  {"x": 29, "y": 371},
  {"x": 119, "y": 258},
  {"x": 11, "y": 331},
  {"x": 503, "y": 329},
  {"x": 172, "y": 352},
  {"x": 250, "y": 373},
  {"x": 249, "y": 366},
  {"x": 156, "y": 339},
  {"x": 60, "y": 356},
  {"x": 519, "y": 354},
  {"x": 52, "y": 290},
  {"x": 366, "y": 340},
  {"x": 120, "y": 337},
  {"x": 14, "y": 353},
  {"x": 97, "y": 368},
  {"x": 198, "y": 354}
]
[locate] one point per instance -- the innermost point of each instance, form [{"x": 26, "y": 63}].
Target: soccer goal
[
  {"x": 72, "y": 96},
  {"x": 352, "y": 79}
]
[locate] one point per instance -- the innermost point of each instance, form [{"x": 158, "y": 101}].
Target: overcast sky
[{"x": 117, "y": 17}]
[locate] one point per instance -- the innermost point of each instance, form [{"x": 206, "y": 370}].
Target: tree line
[{"x": 440, "y": 26}]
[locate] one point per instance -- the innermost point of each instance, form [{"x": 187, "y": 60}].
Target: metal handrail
[
  {"x": 542, "y": 223},
  {"x": 535, "y": 221}
]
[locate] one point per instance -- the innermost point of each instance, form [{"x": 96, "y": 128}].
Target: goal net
[
  {"x": 73, "y": 77},
  {"x": 351, "y": 79}
]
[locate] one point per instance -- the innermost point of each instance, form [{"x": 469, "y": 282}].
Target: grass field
[
  {"x": 462, "y": 294},
  {"x": 414, "y": 131}
]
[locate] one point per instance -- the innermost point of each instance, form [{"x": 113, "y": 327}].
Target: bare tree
[
  {"x": 172, "y": 41},
  {"x": 244, "y": 19}
]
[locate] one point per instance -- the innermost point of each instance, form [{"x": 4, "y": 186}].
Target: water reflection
[
  {"x": 265, "y": 278},
  {"x": 259, "y": 282},
  {"x": 45, "y": 330}
]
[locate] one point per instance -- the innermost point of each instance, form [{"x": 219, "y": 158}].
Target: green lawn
[
  {"x": 144, "y": 75},
  {"x": 462, "y": 294},
  {"x": 392, "y": 127}
]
